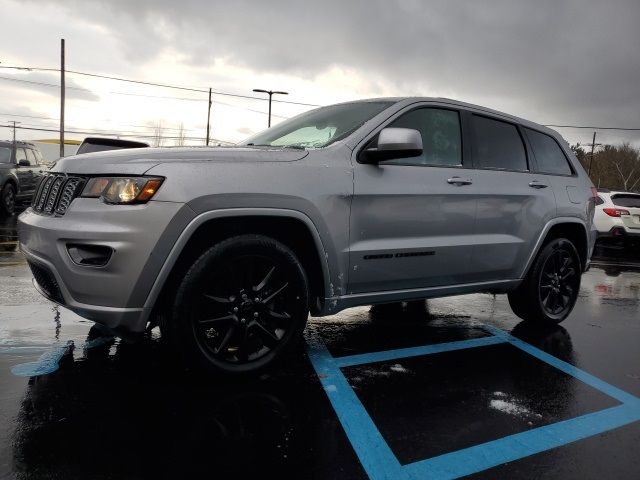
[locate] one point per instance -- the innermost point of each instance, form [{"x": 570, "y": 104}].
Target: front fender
[{"x": 198, "y": 220}]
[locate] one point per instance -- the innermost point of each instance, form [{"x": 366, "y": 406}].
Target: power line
[
  {"x": 150, "y": 127},
  {"x": 114, "y": 134},
  {"x": 163, "y": 85},
  {"x": 52, "y": 85},
  {"x": 595, "y": 128},
  {"x": 216, "y": 92}
]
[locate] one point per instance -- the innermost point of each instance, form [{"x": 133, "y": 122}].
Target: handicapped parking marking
[
  {"x": 49, "y": 361},
  {"x": 380, "y": 462}
]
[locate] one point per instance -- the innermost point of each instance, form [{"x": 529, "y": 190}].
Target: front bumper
[{"x": 109, "y": 294}]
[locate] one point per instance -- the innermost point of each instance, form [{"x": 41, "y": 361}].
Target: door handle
[
  {"x": 459, "y": 181},
  {"x": 537, "y": 184}
]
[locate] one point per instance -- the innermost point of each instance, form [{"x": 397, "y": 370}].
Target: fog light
[{"x": 89, "y": 255}]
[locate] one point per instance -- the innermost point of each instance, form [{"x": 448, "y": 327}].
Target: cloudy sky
[{"x": 554, "y": 62}]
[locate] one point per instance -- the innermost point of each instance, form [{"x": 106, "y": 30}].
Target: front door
[{"x": 412, "y": 219}]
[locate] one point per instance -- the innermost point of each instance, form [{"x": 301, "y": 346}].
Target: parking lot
[{"x": 459, "y": 387}]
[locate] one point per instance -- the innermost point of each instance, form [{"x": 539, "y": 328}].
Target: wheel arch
[
  {"x": 571, "y": 228},
  {"x": 292, "y": 228},
  {"x": 12, "y": 180}
]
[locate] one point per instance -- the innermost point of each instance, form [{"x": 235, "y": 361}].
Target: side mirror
[
  {"x": 394, "y": 143},
  {"x": 24, "y": 163}
]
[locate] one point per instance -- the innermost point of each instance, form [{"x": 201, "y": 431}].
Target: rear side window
[
  {"x": 31, "y": 156},
  {"x": 498, "y": 145},
  {"x": 599, "y": 200},
  {"x": 549, "y": 156},
  {"x": 441, "y": 138},
  {"x": 20, "y": 154},
  {"x": 632, "y": 201}
]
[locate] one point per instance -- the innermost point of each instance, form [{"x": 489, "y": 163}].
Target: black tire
[
  {"x": 242, "y": 306},
  {"x": 7, "y": 199},
  {"x": 549, "y": 292}
]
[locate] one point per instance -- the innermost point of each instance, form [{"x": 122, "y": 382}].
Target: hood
[{"x": 137, "y": 161}]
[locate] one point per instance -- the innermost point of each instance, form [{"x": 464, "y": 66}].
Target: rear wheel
[
  {"x": 242, "y": 305},
  {"x": 550, "y": 289},
  {"x": 8, "y": 199}
]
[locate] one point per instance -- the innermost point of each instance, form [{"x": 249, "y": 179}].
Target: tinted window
[
  {"x": 497, "y": 145},
  {"x": 20, "y": 155},
  {"x": 39, "y": 158},
  {"x": 599, "y": 201},
  {"x": 548, "y": 153},
  {"x": 5, "y": 154},
  {"x": 31, "y": 156},
  {"x": 98, "y": 147},
  {"x": 441, "y": 141},
  {"x": 632, "y": 201}
]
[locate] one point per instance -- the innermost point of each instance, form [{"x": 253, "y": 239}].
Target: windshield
[
  {"x": 318, "y": 128},
  {"x": 5, "y": 154}
]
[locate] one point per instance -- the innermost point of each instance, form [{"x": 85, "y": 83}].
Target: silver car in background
[{"x": 375, "y": 201}]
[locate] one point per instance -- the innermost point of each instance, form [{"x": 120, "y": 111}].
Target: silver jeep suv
[{"x": 374, "y": 201}]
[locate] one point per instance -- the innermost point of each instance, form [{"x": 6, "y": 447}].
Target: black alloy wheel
[
  {"x": 559, "y": 282},
  {"x": 242, "y": 304},
  {"x": 549, "y": 291},
  {"x": 8, "y": 199}
]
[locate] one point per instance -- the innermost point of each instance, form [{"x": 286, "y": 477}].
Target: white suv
[{"x": 617, "y": 216}]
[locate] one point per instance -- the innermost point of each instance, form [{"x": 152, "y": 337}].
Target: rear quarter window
[{"x": 548, "y": 154}]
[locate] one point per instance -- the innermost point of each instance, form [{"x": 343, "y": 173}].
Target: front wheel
[
  {"x": 242, "y": 305},
  {"x": 7, "y": 199},
  {"x": 550, "y": 289}
]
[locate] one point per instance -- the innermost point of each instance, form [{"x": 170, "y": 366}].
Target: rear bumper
[{"x": 619, "y": 232}]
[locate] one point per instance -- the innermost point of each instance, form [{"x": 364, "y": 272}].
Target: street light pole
[{"x": 270, "y": 93}]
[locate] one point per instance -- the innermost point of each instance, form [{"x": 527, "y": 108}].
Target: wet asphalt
[{"x": 115, "y": 409}]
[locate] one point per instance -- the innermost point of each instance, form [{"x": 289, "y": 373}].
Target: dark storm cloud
[{"x": 553, "y": 61}]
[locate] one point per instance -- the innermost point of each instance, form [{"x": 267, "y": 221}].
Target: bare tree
[
  {"x": 181, "y": 135},
  {"x": 158, "y": 134},
  {"x": 617, "y": 167}
]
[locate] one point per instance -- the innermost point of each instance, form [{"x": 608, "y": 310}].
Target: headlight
[{"x": 121, "y": 190}]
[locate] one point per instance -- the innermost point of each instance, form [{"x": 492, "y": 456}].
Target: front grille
[
  {"x": 55, "y": 193},
  {"x": 47, "y": 282}
]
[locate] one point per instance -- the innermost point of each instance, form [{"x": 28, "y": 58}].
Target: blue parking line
[
  {"x": 373, "y": 452},
  {"x": 514, "y": 447},
  {"x": 351, "y": 360},
  {"x": 379, "y": 461},
  {"x": 567, "y": 368},
  {"x": 47, "y": 363}
]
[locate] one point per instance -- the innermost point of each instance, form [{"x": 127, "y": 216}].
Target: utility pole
[
  {"x": 593, "y": 146},
  {"x": 271, "y": 93},
  {"x": 208, "y": 116},
  {"x": 14, "y": 130},
  {"x": 62, "y": 90}
]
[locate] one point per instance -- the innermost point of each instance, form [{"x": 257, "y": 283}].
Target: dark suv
[{"x": 19, "y": 173}]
